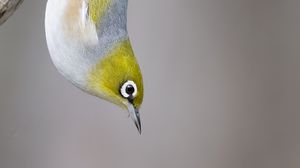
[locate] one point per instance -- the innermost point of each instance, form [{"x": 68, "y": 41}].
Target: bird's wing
[
  {"x": 108, "y": 19},
  {"x": 108, "y": 16},
  {"x": 96, "y": 9}
]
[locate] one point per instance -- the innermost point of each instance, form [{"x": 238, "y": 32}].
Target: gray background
[{"x": 222, "y": 90}]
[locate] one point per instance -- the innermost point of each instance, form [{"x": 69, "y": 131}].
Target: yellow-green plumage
[
  {"x": 113, "y": 70},
  {"x": 90, "y": 46},
  {"x": 97, "y": 9}
]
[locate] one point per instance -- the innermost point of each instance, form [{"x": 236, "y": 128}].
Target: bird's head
[{"x": 118, "y": 79}]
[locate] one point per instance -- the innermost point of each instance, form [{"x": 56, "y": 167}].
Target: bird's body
[{"x": 89, "y": 45}]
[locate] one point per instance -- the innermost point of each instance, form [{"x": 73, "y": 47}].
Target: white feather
[{"x": 75, "y": 53}]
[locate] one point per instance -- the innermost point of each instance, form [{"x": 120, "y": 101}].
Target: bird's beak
[{"x": 135, "y": 116}]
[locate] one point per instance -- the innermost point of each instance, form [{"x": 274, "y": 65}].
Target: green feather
[
  {"x": 97, "y": 8},
  {"x": 117, "y": 67}
]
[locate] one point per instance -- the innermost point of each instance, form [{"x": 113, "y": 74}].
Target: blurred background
[{"x": 222, "y": 90}]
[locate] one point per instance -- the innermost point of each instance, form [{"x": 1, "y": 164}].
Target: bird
[{"x": 89, "y": 45}]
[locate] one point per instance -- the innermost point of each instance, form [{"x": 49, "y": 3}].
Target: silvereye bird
[{"x": 89, "y": 45}]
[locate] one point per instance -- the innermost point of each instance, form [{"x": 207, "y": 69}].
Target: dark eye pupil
[{"x": 129, "y": 89}]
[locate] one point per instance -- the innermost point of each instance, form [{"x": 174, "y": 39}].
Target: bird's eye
[{"x": 128, "y": 89}]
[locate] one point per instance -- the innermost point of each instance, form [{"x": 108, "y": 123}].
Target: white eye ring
[{"x": 124, "y": 89}]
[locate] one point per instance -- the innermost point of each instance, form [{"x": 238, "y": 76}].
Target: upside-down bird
[{"x": 89, "y": 45}]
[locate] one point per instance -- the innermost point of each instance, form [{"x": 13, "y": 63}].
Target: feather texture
[
  {"x": 89, "y": 45},
  {"x": 98, "y": 8},
  {"x": 111, "y": 72}
]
